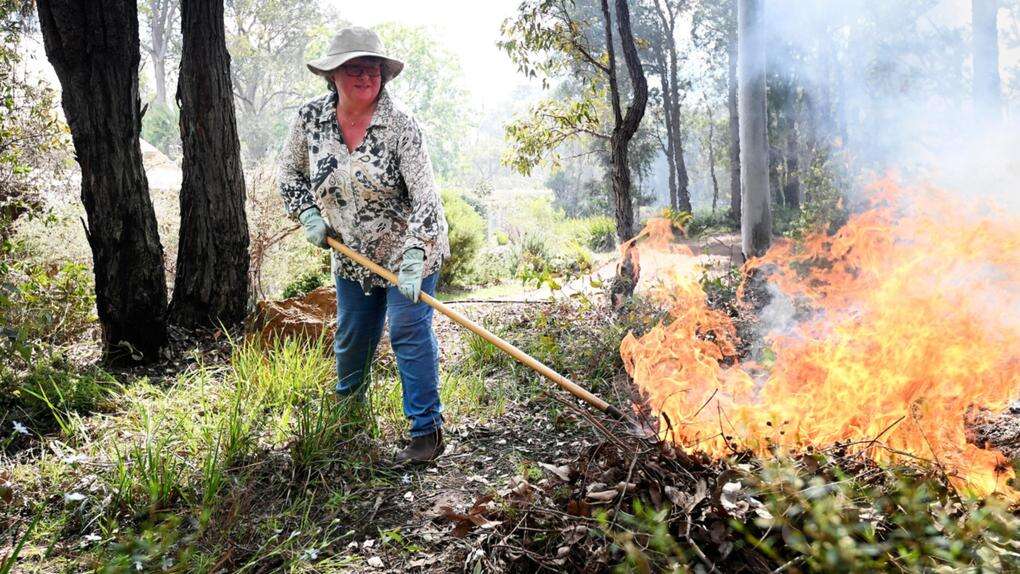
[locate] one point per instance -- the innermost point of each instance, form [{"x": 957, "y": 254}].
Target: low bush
[
  {"x": 467, "y": 236},
  {"x": 597, "y": 233},
  {"x": 494, "y": 265},
  {"x": 305, "y": 283},
  {"x": 160, "y": 128},
  {"x": 823, "y": 206},
  {"x": 813, "y": 516},
  {"x": 709, "y": 223}
]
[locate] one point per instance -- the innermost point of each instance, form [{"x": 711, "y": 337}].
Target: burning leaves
[{"x": 911, "y": 318}]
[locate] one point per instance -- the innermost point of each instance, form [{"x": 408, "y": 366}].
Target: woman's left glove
[
  {"x": 409, "y": 275},
  {"x": 315, "y": 226}
]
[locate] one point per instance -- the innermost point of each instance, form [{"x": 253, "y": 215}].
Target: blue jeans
[{"x": 359, "y": 325}]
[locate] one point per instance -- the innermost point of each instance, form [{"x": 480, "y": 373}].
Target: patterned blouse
[{"x": 381, "y": 200}]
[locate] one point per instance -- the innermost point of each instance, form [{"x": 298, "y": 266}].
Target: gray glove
[
  {"x": 315, "y": 227},
  {"x": 409, "y": 276}
]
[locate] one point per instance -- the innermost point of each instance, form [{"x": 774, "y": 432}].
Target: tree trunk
[
  {"x": 756, "y": 217},
  {"x": 711, "y": 158},
  {"x": 731, "y": 100},
  {"x": 683, "y": 180},
  {"x": 93, "y": 47},
  {"x": 791, "y": 187},
  {"x": 624, "y": 127},
  {"x": 987, "y": 90},
  {"x": 159, "y": 67},
  {"x": 212, "y": 257},
  {"x": 667, "y": 55},
  {"x": 667, "y": 112}
]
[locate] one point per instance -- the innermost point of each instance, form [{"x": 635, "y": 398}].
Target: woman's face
[{"x": 359, "y": 80}]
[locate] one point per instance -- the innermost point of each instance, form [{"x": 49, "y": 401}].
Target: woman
[{"x": 356, "y": 157}]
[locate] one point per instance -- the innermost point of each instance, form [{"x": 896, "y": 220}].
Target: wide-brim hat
[{"x": 354, "y": 42}]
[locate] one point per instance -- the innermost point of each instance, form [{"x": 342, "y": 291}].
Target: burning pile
[{"x": 907, "y": 320}]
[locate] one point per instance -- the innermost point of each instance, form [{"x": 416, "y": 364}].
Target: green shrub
[
  {"x": 160, "y": 128},
  {"x": 823, "y": 207},
  {"x": 601, "y": 233},
  {"x": 467, "y": 236},
  {"x": 493, "y": 266},
  {"x": 306, "y": 283},
  {"x": 829, "y": 520},
  {"x": 43, "y": 303},
  {"x": 707, "y": 223}
]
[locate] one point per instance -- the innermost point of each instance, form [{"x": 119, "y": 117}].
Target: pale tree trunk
[
  {"x": 987, "y": 84},
  {"x": 211, "y": 286},
  {"x": 734, "y": 124},
  {"x": 160, "y": 19},
  {"x": 93, "y": 47},
  {"x": 756, "y": 216},
  {"x": 159, "y": 67}
]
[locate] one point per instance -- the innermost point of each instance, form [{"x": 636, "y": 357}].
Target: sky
[{"x": 468, "y": 28}]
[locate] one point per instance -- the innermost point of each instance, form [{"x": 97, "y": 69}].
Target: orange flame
[{"x": 913, "y": 318}]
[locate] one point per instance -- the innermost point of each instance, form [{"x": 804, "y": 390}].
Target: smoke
[{"x": 891, "y": 87}]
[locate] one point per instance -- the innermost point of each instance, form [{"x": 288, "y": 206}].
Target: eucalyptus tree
[
  {"x": 160, "y": 20},
  {"x": 211, "y": 285},
  {"x": 661, "y": 39},
  {"x": 269, "y": 41},
  {"x": 557, "y": 38},
  {"x": 714, "y": 29},
  {"x": 756, "y": 213},
  {"x": 93, "y": 47}
]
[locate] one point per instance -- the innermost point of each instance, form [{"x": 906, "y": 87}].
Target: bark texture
[
  {"x": 987, "y": 83},
  {"x": 624, "y": 125},
  {"x": 211, "y": 286},
  {"x": 666, "y": 53},
  {"x": 93, "y": 47},
  {"x": 756, "y": 217},
  {"x": 731, "y": 100}
]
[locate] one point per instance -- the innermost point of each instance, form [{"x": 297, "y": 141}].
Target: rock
[{"x": 308, "y": 316}]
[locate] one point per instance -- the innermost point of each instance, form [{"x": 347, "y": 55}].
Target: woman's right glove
[{"x": 315, "y": 227}]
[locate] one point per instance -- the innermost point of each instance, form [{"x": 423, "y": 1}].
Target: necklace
[{"x": 353, "y": 121}]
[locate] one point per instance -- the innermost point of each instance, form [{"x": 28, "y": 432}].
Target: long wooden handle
[{"x": 522, "y": 357}]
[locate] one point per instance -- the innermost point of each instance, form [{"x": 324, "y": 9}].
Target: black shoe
[{"x": 422, "y": 449}]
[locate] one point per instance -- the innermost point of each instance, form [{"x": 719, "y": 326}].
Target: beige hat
[{"x": 354, "y": 42}]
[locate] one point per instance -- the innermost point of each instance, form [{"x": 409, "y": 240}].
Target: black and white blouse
[{"x": 380, "y": 199}]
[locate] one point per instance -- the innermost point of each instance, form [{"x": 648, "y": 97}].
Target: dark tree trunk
[
  {"x": 731, "y": 100},
  {"x": 624, "y": 127},
  {"x": 667, "y": 112},
  {"x": 682, "y": 179},
  {"x": 212, "y": 257},
  {"x": 93, "y": 47},
  {"x": 987, "y": 84},
  {"x": 711, "y": 158},
  {"x": 669, "y": 76},
  {"x": 791, "y": 187},
  {"x": 756, "y": 216}
]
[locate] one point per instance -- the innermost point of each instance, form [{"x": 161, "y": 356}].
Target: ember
[{"x": 911, "y": 319}]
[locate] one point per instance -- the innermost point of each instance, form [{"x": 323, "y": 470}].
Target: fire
[{"x": 909, "y": 317}]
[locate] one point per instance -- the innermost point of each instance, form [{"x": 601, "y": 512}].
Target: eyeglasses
[{"x": 358, "y": 71}]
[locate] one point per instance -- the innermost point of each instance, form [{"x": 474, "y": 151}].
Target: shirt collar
[{"x": 381, "y": 117}]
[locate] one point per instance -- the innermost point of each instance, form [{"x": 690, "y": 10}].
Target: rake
[{"x": 521, "y": 357}]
